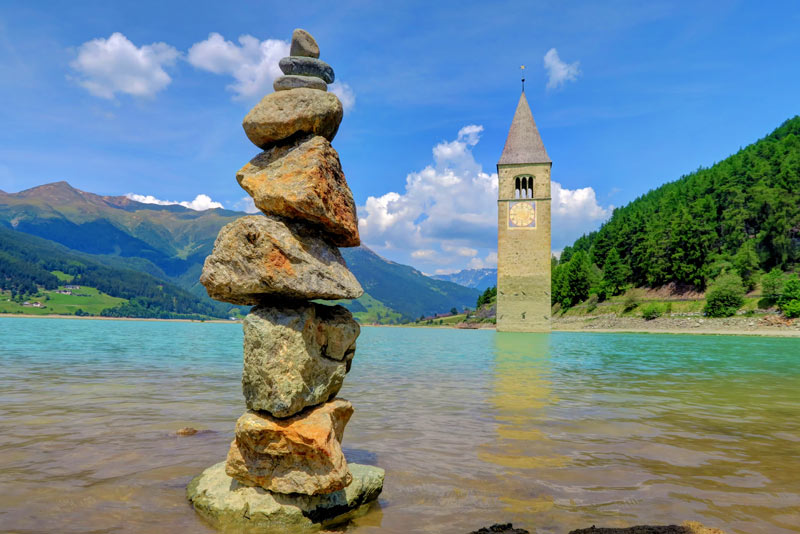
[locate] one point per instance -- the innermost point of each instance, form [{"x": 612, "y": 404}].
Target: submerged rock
[
  {"x": 227, "y": 504},
  {"x": 296, "y": 355},
  {"x": 687, "y": 527},
  {"x": 498, "y": 528},
  {"x": 302, "y": 454},
  {"x": 304, "y": 180},
  {"x": 257, "y": 257},
  {"x": 282, "y": 114}
]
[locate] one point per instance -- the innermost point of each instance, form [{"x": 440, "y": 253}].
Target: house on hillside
[{"x": 28, "y": 304}]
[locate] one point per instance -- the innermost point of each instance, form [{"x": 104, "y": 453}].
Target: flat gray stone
[
  {"x": 228, "y": 505},
  {"x": 293, "y": 81},
  {"x": 296, "y": 355},
  {"x": 303, "y": 44},
  {"x": 307, "y": 66}
]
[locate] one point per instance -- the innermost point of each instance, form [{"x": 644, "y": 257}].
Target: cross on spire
[{"x": 522, "y": 68}]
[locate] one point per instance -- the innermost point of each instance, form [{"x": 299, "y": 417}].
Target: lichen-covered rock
[
  {"x": 296, "y": 356},
  {"x": 303, "y": 44},
  {"x": 228, "y": 505},
  {"x": 303, "y": 180},
  {"x": 307, "y": 66},
  {"x": 282, "y": 114},
  {"x": 257, "y": 257},
  {"x": 285, "y": 83},
  {"x": 302, "y": 454}
]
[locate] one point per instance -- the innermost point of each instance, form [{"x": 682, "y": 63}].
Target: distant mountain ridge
[
  {"x": 171, "y": 242},
  {"x": 480, "y": 279}
]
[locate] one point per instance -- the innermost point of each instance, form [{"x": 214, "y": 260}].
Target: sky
[{"x": 146, "y": 99}]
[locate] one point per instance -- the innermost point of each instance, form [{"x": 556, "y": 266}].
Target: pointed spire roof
[{"x": 524, "y": 144}]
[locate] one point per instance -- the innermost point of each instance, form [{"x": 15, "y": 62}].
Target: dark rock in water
[
  {"x": 187, "y": 431},
  {"x": 498, "y": 528},
  {"x": 286, "y": 83},
  {"x": 307, "y": 66},
  {"x": 228, "y": 505},
  {"x": 303, "y": 44},
  {"x": 687, "y": 527}
]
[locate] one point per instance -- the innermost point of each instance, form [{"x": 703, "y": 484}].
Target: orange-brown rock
[
  {"x": 257, "y": 257},
  {"x": 303, "y": 180},
  {"x": 302, "y": 454}
]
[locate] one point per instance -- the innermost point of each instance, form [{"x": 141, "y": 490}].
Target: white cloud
[
  {"x": 558, "y": 72},
  {"x": 448, "y": 211},
  {"x": 246, "y": 205},
  {"x": 345, "y": 94},
  {"x": 252, "y": 63},
  {"x": 115, "y": 65},
  {"x": 200, "y": 202}
]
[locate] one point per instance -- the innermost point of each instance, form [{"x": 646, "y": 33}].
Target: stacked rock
[{"x": 296, "y": 352}]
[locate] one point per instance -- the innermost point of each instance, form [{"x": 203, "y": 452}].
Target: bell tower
[{"x": 523, "y": 228}]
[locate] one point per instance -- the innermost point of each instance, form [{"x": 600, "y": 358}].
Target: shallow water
[{"x": 550, "y": 432}]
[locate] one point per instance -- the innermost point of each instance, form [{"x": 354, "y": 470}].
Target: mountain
[
  {"x": 402, "y": 288},
  {"x": 28, "y": 263},
  {"x": 740, "y": 214},
  {"x": 480, "y": 279},
  {"x": 170, "y": 243}
]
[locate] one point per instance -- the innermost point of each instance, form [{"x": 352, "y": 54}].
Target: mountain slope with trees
[{"x": 740, "y": 216}]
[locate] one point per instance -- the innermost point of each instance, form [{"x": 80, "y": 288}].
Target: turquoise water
[{"x": 551, "y": 432}]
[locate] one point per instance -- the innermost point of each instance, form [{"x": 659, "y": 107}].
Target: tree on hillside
[
  {"x": 615, "y": 273},
  {"x": 725, "y": 297},
  {"x": 746, "y": 264},
  {"x": 772, "y": 284},
  {"x": 575, "y": 280}
]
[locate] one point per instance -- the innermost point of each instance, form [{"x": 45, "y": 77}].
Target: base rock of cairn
[
  {"x": 227, "y": 504},
  {"x": 285, "y": 470}
]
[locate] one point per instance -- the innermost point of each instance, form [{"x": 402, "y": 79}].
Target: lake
[{"x": 550, "y": 432}]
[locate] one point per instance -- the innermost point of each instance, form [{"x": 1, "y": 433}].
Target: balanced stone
[
  {"x": 229, "y": 505},
  {"x": 303, "y": 180},
  {"x": 303, "y": 44},
  {"x": 296, "y": 355},
  {"x": 257, "y": 257},
  {"x": 307, "y": 66},
  {"x": 282, "y": 114},
  {"x": 302, "y": 454},
  {"x": 285, "y": 83}
]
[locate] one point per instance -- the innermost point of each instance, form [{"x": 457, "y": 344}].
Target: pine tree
[{"x": 615, "y": 273}]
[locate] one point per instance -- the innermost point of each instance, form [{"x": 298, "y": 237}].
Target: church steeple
[{"x": 524, "y": 144}]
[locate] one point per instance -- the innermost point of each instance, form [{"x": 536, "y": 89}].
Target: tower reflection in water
[{"x": 523, "y": 447}]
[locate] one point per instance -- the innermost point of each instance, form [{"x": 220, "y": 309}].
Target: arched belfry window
[{"x": 523, "y": 186}]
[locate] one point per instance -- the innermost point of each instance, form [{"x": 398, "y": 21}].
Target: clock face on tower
[{"x": 522, "y": 214}]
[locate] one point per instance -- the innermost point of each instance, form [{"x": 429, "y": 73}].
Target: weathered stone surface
[
  {"x": 296, "y": 356},
  {"x": 302, "y": 454},
  {"x": 228, "y": 505},
  {"x": 285, "y": 83},
  {"x": 283, "y": 114},
  {"x": 307, "y": 66},
  {"x": 303, "y": 44},
  {"x": 257, "y": 257},
  {"x": 304, "y": 180}
]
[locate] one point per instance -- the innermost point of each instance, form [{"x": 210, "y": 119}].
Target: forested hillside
[
  {"x": 741, "y": 215},
  {"x": 27, "y": 263}
]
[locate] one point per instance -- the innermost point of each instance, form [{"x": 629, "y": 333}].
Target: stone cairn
[{"x": 285, "y": 469}]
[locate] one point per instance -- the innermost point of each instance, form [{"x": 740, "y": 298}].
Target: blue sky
[{"x": 141, "y": 98}]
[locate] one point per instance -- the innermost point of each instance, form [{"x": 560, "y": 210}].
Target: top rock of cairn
[{"x": 303, "y": 44}]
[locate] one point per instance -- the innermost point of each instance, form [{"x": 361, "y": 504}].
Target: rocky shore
[{"x": 765, "y": 325}]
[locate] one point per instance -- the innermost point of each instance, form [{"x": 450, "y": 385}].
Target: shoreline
[
  {"x": 98, "y": 318},
  {"x": 731, "y": 326}
]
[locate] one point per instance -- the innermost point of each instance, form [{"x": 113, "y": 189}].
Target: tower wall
[{"x": 523, "y": 253}]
